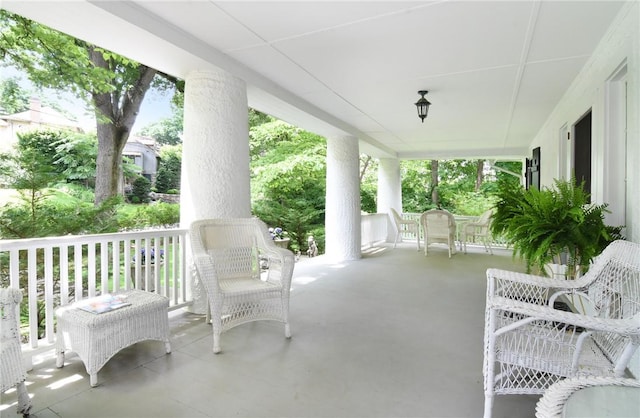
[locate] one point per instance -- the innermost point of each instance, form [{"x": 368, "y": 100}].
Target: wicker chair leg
[
  {"x": 216, "y": 343},
  {"x": 488, "y": 405},
  {"x": 24, "y": 402},
  {"x": 287, "y": 330}
]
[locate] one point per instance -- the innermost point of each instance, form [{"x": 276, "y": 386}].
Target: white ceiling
[{"x": 494, "y": 70}]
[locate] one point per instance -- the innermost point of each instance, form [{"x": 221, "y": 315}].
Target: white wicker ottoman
[{"x": 98, "y": 337}]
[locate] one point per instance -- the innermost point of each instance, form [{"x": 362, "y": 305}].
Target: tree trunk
[
  {"x": 115, "y": 115},
  {"x": 364, "y": 164},
  {"x": 435, "y": 199},
  {"x": 479, "y": 174}
]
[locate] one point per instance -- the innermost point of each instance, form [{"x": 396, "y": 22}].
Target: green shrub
[
  {"x": 140, "y": 190},
  {"x": 173, "y": 191}
]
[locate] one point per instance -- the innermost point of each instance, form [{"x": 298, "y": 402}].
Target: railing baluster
[
  {"x": 91, "y": 256},
  {"x": 64, "y": 274},
  {"x": 48, "y": 293},
  {"x": 77, "y": 266},
  {"x": 32, "y": 281},
  {"x": 104, "y": 267},
  {"x": 126, "y": 244},
  {"x": 115, "y": 264},
  {"x": 14, "y": 269}
]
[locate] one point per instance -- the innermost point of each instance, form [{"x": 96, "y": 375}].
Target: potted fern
[{"x": 554, "y": 225}]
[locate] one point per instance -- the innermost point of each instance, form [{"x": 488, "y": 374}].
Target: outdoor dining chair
[
  {"x": 439, "y": 226},
  {"x": 478, "y": 229},
  {"x": 402, "y": 225}
]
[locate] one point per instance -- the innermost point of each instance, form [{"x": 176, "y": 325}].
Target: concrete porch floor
[{"x": 395, "y": 334}]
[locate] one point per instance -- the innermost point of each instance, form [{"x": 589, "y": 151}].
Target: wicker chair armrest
[
  {"x": 625, "y": 327},
  {"x": 527, "y": 287},
  {"x": 281, "y": 263}
]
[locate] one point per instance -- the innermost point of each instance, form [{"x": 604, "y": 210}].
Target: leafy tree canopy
[{"x": 13, "y": 98}]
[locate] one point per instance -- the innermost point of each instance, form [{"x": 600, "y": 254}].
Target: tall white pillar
[
  {"x": 215, "y": 155},
  {"x": 389, "y": 191},
  {"x": 342, "y": 220}
]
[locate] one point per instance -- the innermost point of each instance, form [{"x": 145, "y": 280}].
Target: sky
[{"x": 156, "y": 105}]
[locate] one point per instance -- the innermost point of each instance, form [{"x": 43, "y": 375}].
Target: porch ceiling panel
[
  {"x": 541, "y": 88},
  {"x": 579, "y": 27},
  {"x": 494, "y": 69}
]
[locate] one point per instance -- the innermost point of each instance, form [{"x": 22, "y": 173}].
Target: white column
[
  {"x": 342, "y": 220},
  {"x": 215, "y": 155},
  {"x": 389, "y": 191}
]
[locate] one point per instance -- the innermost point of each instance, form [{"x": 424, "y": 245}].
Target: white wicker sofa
[{"x": 529, "y": 345}]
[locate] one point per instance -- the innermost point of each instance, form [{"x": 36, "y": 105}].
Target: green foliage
[
  {"x": 288, "y": 171},
  {"x": 368, "y": 184},
  {"x": 167, "y": 131},
  {"x": 157, "y": 214},
  {"x": 258, "y": 118},
  {"x": 13, "y": 98},
  {"x": 55, "y": 213},
  {"x": 543, "y": 225},
  {"x": 76, "y": 157},
  {"x": 51, "y": 59},
  {"x": 141, "y": 189},
  {"x": 169, "y": 171}
]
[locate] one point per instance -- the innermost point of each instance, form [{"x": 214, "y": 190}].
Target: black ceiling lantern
[{"x": 423, "y": 105}]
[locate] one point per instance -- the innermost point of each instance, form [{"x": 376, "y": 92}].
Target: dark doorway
[
  {"x": 582, "y": 152},
  {"x": 533, "y": 170}
]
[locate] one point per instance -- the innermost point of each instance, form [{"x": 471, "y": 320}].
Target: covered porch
[{"x": 392, "y": 334}]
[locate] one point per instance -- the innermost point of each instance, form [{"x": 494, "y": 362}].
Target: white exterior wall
[
  {"x": 590, "y": 90},
  {"x": 342, "y": 220},
  {"x": 389, "y": 191},
  {"x": 620, "y": 45},
  {"x": 215, "y": 163}
]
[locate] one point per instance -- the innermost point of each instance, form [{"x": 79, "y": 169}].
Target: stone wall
[{"x": 164, "y": 197}]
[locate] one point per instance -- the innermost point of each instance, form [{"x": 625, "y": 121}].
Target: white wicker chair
[
  {"x": 227, "y": 255},
  {"x": 479, "y": 229},
  {"x": 13, "y": 372},
  {"x": 552, "y": 403},
  {"x": 529, "y": 345},
  {"x": 405, "y": 225},
  {"x": 439, "y": 226}
]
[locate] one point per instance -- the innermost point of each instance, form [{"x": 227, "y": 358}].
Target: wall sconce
[{"x": 423, "y": 105}]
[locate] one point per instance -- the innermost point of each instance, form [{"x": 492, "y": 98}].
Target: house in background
[
  {"x": 143, "y": 152},
  {"x": 36, "y": 118}
]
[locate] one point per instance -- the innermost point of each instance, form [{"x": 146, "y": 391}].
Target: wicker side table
[{"x": 98, "y": 337}]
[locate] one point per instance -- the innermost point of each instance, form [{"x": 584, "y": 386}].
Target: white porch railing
[
  {"x": 56, "y": 271},
  {"x": 373, "y": 229}
]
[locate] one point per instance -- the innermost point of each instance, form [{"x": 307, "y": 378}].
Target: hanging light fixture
[{"x": 423, "y": 105}]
